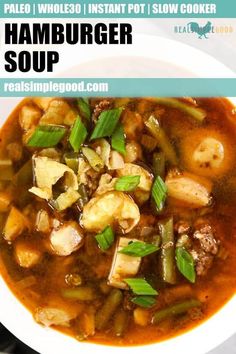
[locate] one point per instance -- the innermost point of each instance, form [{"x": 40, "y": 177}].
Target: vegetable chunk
[
  {"x": 66, "y": 239},
  {"x": 109, "y": 208},
  {"x": 123, "y": 265},
  {"x": 16, "y": 223},
  {"x": 191, "y": 190},
  {"x": 49, "y": 316},
  {"x": 26, "y": 255}
]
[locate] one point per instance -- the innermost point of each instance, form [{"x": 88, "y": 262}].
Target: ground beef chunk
[
  {"x": 203, "y": 261},
  {"x": 99, "y": 108},
  {"x": 206, "y": 238}
]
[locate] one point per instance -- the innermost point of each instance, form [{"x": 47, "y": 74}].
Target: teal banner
[
  {"x": 79, "y": 87},
  {"x": 122, "y": 9}
]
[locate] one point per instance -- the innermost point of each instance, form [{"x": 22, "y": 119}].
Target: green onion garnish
[
  {"x": 185, "y": 264},
  {"x": 118, "y": 139},
  {"x": 46, "y": 136},
  {"x": 144, "y": 301},
  {"x": 106, "y": 124},
  {"x": 127, "y": 183},
  {"x": 159, "y": 192},
  {"x": 139, "y": 249},
  {"x": 140, "y": 286},
  {"x": 78, "y": 135},
  {"x": 83, "y": 104},
  {"x": 105, "y": 238}
]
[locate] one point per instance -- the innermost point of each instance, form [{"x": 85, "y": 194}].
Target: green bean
[
  {"x": 82, "y": 293},
  {"x": 93, "y": 158},
  {"x": 120, "y": 323},
  {"x": 167, "y": 251},
  {"x": 158, "y": 164},
  {"x": 198, "y": 114},
  {"x": 158, "y": 133},
  {"x": 176, "y": 309},
  {"x": 109, "y": 307}
]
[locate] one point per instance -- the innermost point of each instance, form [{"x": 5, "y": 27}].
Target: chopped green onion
[
  {"x": 107, "y": 122},
  {"x": 72, "y": 160},
  {"x": 84, "y": 107},
  {"x": 106, "y": 238},
  {"x": 144, "y": 301},
  {"x": 118, "y": 139},
  {"x": 185, "y": 264},
  {"x": 93, "y": 158},
  {"x": 195, "y": 112},
  {"x": 140, "y": 286},
  {"x": 139, "y": 249},
  {"x": 78, "y": 135},
  {"x": 159, "y": 192},
  {"x": 127, "y": 183},
  {"x": 46, "y": 136}
]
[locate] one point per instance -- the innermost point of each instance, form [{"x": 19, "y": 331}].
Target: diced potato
[
  {"x": 141, "y": 317},
  {"x": 59, "y": 112},
  {"x": 49, "y": 316},
  {"x": 189, "y": 189},
  {"x": 29, "y": 117},
  {"x": 5, "y": 201},
  {"x": 109, "y": 208},
  {"x": 16, "y": 223},
  {"x": 43, "y": 102},
  {"x": 123, "y": 266},
  {"x": 42, "y": 221},
  {"x": 67, "y": 239},
  {"x": 26, "y": 255}
]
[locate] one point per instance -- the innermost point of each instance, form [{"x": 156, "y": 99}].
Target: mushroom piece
[
  {"x": 123, "y": 266},
  {"x": 109, "y": 208},
  {"x": 66, "y": 239},
  {"x": 47, "y": 173},
  {"x": 208, "y": 152}
]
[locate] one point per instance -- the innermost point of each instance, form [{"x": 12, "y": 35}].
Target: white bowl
[{"x": 197, "y": 341}]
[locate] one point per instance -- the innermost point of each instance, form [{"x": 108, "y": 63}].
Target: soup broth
[{"x": 117, "y": 215}]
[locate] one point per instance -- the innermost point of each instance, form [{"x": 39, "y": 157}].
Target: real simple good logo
[{"x": 203, "y": 31}]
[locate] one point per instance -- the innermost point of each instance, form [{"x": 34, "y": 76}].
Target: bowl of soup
[{"x": 117, "y": 223}]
